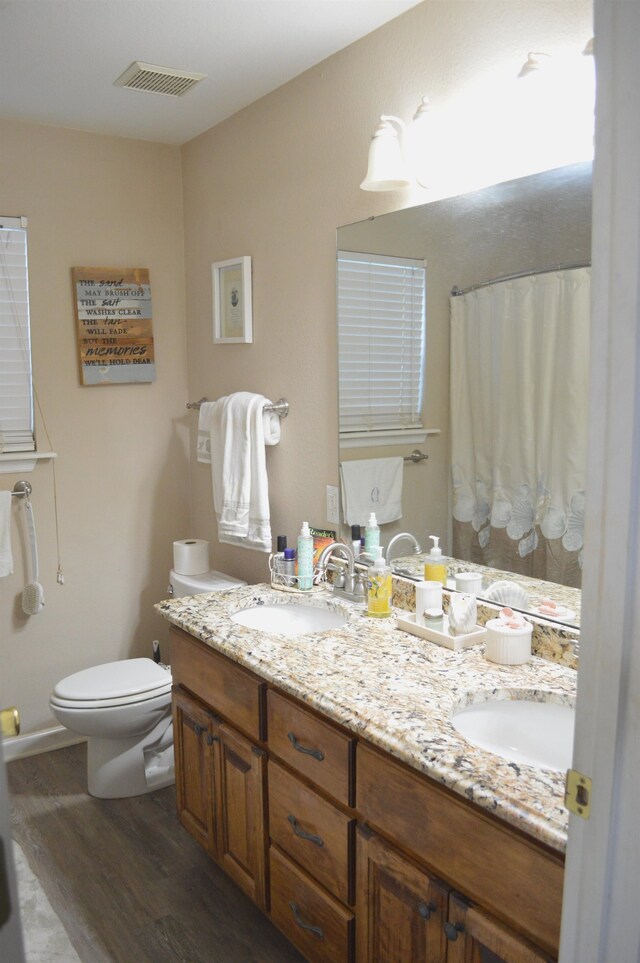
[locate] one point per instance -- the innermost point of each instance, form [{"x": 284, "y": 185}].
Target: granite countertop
[{"x": 398, "y": 692}]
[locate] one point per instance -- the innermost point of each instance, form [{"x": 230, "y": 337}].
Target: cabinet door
[
  {"x": 240, "y": 774},
  {"x": 193, "y": 749},
  {"x": 476, "y": 937},
  {"x": 400, "y": 909}
]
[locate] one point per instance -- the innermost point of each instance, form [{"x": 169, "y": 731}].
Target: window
[
  {"x": 381, "y": 345},
  {"x": 16, "y": 404}
]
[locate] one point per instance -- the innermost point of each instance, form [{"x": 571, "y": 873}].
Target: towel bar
[{"x": 281, "y": 406}]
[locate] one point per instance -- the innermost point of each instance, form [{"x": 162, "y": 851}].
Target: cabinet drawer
[
  {"x": 314, "y": 748},
  {"x": 229, "y": 689},
  {"x": 511, "y": 876},
  {"x": 312, "y": 831},
  {"x": 321, "y": 928}
]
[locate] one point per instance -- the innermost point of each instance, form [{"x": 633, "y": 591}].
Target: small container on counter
[
  {"x": 372, "y": 536},
  {"x": 305, "y": 558},
  {"x": 289, "y": 567},
  {"x": 429, "y": 603},
  {"x": 508, "y": 640}
]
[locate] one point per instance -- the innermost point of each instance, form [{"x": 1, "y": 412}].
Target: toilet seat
[{"x": 113, "y": 684}]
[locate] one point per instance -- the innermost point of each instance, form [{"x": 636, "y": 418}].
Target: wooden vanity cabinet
[
  {"x": 220, "y": 773},
  {"x": 405, "y": 914},
  {"x": 357, "y": 857}
]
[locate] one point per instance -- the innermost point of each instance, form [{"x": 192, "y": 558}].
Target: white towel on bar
[
  {"x": 238, "y": 467},
  {"x": 372, "y": 485},
  {"x": 270, "y": 424},
  {"x": 6, "y": 558}
]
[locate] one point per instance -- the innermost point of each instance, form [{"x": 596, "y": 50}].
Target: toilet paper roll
[{"x": 191, "y": 556}]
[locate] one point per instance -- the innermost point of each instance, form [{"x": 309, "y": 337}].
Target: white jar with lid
[{"x": 508, "y": 645}]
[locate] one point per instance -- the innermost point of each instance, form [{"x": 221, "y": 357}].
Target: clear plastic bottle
[
  {"x": 435, "y": 568},
  {"x": 372, "y": 536},
  {"x": 380, "y": 587},
  {"x": 305, "y": 558}
]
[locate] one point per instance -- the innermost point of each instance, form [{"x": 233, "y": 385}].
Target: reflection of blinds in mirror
[
  {"x": 16, "y": 408},
  {"x": 381, "y": 342}
]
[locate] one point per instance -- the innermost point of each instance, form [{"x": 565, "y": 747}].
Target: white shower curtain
[{"x": 519, "y": 382}]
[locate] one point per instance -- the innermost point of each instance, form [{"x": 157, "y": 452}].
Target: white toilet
[{"x": 124, "y": 708}]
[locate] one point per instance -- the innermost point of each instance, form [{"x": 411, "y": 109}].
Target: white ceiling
[{"x": 59, "y": 58}]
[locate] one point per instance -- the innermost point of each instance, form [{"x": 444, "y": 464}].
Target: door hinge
[{"x": 577, "y": 793}]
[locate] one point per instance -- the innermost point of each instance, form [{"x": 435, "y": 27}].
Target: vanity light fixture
[{"x": 390, "y": 163}]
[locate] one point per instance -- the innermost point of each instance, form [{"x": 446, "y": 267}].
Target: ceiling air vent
[{"x": 158, "y": 80}]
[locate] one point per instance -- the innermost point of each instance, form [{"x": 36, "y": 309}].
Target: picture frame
[{"x": 232, "y": 310}]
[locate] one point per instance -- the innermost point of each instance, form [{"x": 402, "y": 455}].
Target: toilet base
[{"x": 119, "y": 768}]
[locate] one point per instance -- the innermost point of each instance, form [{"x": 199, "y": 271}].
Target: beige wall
[
  {"x": 273, "y": 182},
  {"x": 122, "y": 467},
  {"x": 277, "y": 179}
]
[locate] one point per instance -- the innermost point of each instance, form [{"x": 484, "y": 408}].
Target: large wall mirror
[{"x": 535, "y": 232}]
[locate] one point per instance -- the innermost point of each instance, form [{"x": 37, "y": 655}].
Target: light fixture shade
[{"x": 387, "y": 170}]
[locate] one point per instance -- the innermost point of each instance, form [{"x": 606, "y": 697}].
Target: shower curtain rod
[{"x": 456, "y": 291}]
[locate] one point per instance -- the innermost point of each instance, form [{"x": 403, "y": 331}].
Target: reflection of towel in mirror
[
  {"x": 237, "y": 439},
  {"x": 372, "y": 485},
  {"x": 6, "y": 558}
]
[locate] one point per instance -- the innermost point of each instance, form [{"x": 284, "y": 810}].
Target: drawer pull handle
[
  {"x": 426, "y": 909},
  {"x": 302, "y": 834},
  {"x": 316, "y": 753},
  {"x": 452, "y": 932},
  {"x": 305, "y": 926}
]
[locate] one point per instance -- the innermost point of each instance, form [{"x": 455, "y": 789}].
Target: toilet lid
[{"x": 114, "y": 680}]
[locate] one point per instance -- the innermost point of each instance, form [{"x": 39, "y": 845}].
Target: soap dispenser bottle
[
  {"x": 305, "y": 558},
  {"x": 435, "y": 569},
  {"x": 371, "y": 536},
  {"x": 379, "y": 591}
]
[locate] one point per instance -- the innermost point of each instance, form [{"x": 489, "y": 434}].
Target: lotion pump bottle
[
  {"x": 379, "y": 593},
  {"x": 371, "y": 536},
  {"x": 305, "y": 558},
  {"x": 435, "y": 569}
]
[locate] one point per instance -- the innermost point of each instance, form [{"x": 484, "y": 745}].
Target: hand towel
[
  {"x": 239, "y": 471},
  {"x": 270, "y": 421},
  {"x": 372, "y": 485},
  {"x": 6, "y": 558}
]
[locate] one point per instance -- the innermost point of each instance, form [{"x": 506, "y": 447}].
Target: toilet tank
[{"x": 211, "y": 581}]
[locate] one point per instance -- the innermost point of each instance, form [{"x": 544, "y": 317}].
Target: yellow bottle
[
  {"x": 379, "y": 593},
  {"x": 435, "y": 569}
]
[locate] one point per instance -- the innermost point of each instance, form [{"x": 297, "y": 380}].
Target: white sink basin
[
  {"x": 289, "y": 619},
  {"x": 521, "y": 730}
]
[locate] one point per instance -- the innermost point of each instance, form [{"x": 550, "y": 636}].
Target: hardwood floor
[{"x": 128, "y": 883}]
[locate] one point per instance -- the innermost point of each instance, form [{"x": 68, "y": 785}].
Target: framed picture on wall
[{"x": 232, "y": 316}]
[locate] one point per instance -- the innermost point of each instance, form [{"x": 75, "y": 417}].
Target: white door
[
  {"x": 600, "y": 919},
  {"x": 11, "y": 947}
]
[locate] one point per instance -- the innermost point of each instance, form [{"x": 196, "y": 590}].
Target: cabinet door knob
[
  {"x": 426, "y": 909},
  {"x": 453, "y": 931},
  {"x": 305, "y": 926},
  {"x": 316, "y": 753},
  {"x": 198, "y": 729},
  {"x": 301, "y": 832}
]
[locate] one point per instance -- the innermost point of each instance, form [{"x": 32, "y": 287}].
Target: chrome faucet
[
  {"x": 349, "y": 584},
  {"x": 397, "y": 538}
]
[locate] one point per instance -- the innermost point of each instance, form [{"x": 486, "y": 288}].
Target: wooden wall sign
[{"x": 113, "y": 319}]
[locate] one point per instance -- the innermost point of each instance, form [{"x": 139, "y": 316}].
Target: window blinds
[
  {"x": 16, "y": 406},
  {"x": 381, "y": 342}
]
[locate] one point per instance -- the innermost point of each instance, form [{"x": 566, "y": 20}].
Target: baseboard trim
[{"x": 33, "y": 743}]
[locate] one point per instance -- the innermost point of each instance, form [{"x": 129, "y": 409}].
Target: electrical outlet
[{"x": 332, "y": 504}]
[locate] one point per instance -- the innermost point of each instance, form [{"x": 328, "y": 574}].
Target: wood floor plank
[{"x": 127, "y": 881}]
